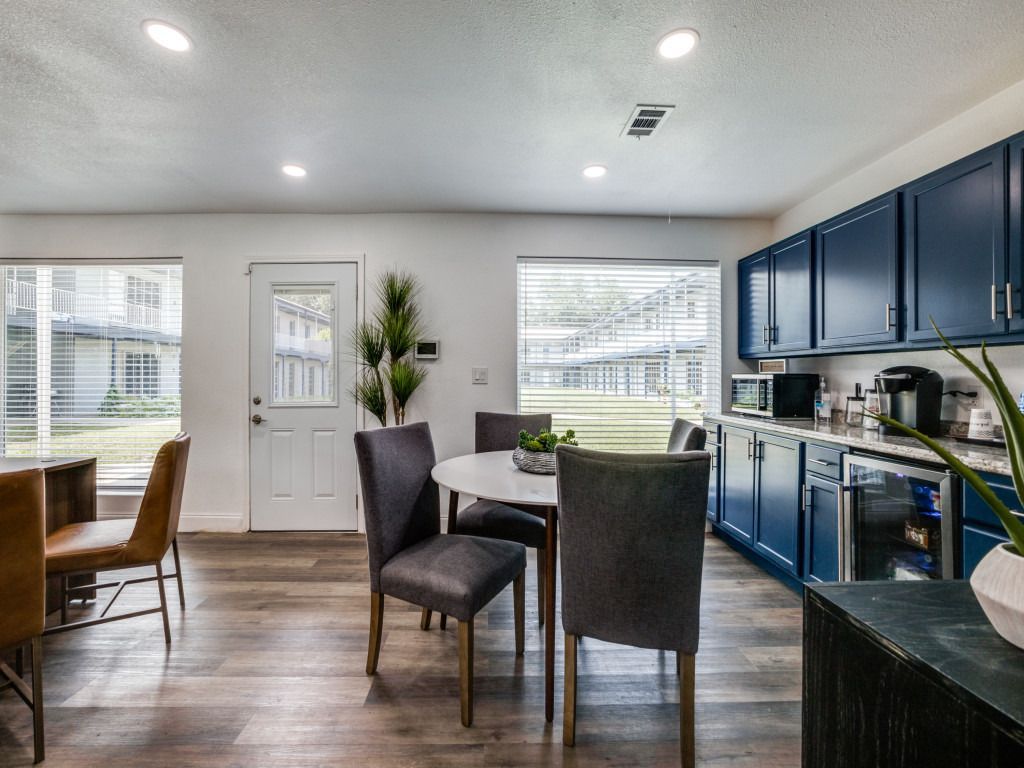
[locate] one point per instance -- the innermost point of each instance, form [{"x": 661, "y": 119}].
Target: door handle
[
  {"x": 821, "y": 462},
  {"x": 256, "y": 419},
  {"x": 750, "y": 449},
  {"x": 764, "y": 334},
  {"x": 888, "y": 317},
  {"x": 1009, "y": 301}
]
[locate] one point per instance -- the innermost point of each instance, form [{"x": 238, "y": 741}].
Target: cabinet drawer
[
  {"x": 977, "y": 511},
  {"x": 827, "y": 462}
]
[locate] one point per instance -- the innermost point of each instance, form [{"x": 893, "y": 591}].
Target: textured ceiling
[{"x": 476, "y": 105}]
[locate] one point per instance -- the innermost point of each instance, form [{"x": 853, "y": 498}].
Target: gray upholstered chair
[
  {"x": 686, "y": 436},
  {"x": 411, "y": 560},
  {"x": 632, "y": 538},
  {"x": 494, "y": 520},
  {"x": 23, "y": 587}
]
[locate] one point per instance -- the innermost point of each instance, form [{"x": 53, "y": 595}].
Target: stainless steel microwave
[{"x": 774, "y": 395}]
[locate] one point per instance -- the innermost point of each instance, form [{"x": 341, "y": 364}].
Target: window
[
  {"x": 141, "y": 374},
  {"x": 616, "y": 350},
  {"x": 92, "y": 364}
]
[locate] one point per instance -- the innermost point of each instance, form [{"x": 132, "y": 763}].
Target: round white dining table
[{"x": 493, "y": 476}]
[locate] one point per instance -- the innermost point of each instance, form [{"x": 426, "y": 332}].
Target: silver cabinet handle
[
  {"x": 993, "y": 301},
  {"x": 750, "y": 449},
  {"x": 888, "y": 317},
  {"x": 822, "y": 462},
  {"x": 1009, "y": 301},
  {"x": 764, "y": 334}
]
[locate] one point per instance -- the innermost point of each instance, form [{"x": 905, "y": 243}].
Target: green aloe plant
[
  {"x": 1013, "y": 431},
  {"x": 383, "y": 346}
]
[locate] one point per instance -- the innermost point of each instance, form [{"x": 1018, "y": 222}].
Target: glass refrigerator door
[{"x": 897, "y": 515}]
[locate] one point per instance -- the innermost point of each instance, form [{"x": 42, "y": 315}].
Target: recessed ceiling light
[
  {"x": 293, "y": 170},
  {"x": 678, "y": 43},
  {"x": 594, "y": 171},
  {"x": 170, "y": 37}
]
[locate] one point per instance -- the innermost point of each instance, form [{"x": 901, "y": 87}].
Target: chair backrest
[
  {"x": 157, "y": 524},
  {"x": 632, "y": 540},
  {"x": 686, "y": 436},
  {"x": 500, "y": 431},
  {"x": 22, "y": 557},
  {"x": 400, "y": 499}
]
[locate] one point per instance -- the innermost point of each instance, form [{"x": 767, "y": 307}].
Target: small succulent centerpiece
[
  {"x": 536, "y": 454},
  {"x": 998, "y": 580}
]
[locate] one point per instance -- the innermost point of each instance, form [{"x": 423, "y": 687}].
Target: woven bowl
[{"x": 537, "y": 462}]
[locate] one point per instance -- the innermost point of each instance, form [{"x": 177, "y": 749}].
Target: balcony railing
[{"x": 21, "y": 295}]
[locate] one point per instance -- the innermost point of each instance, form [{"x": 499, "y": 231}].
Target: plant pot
[
  {"x": 537, "y": 462},
  {"x": 997, "y": 583}
]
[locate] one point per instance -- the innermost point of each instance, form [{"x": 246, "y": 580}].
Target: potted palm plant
[
  {"x": 384, "y": 345},
  {"x": 998, "y": 581}
]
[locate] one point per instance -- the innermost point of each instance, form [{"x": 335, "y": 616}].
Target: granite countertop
[
  {"x": 982, "y": 458},
  {"x": 939, "y": 626}
]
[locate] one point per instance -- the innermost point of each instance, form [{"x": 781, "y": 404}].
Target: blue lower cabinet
[
  {"x": 713, "y": 446},
  {"x": 823, "y": 500},
  {"x": 977, "y": 543},
  {"x": 736, "y": 500},
  {"x": 777, "y": 525}
]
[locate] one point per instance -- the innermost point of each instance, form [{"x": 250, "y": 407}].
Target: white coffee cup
[{"x": 980, "y": 426}]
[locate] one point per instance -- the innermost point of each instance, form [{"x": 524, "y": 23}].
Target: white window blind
[
  {"x": 92, "y": 364},
  {"x": 617, "y": 350}
]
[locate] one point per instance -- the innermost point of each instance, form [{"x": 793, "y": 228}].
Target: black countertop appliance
[{"x": 913, "y": 395}]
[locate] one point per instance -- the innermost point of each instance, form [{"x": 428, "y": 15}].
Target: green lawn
[
  {"x": 646, "y": 429},
  {"x": 112, "y": 441}
]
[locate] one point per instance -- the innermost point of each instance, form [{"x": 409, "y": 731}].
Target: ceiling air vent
[{"x": 646, "y": 119}]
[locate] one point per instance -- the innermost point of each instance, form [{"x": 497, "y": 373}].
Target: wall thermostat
[{"x": 428, "y": 350}]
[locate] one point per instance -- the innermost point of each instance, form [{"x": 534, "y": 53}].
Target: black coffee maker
[{"x": 912, "y": 395}]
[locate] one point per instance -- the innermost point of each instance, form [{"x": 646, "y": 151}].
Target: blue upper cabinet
[
  {"x": 955, "y": 240},
  {"x": 1015, "y": 285},
  {"x": 857, "y": 260},
  {"x": 754, "y": 309},
  {"x": 791, "y": 327}
]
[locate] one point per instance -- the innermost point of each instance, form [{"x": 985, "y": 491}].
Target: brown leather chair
[
  {"x": 110, "y": 545},
  {"x": 23, "y": 587}
]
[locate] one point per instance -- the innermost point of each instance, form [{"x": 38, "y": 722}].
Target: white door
[{"x": 302, "y": 462}]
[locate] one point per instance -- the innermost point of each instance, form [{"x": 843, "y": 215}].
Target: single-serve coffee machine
[{"x": 912, "y": 395}]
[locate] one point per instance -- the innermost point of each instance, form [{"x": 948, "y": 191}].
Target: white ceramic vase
[{"x": 998, "y": 583}]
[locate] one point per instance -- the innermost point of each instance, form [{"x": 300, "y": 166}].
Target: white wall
[
  {"x": 466, "y": 263},
  {"x": 988, "y": 122}
]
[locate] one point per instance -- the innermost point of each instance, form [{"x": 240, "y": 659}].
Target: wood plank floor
[{"x": 266, "y": 669}]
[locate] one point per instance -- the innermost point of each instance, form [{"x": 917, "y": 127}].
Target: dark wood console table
[
  {"x": 70, "y": 498},
  {"x": 908, "y": 675}
]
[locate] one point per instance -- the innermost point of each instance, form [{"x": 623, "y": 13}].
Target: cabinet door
[
  {"x": 777, "y": 522},
  {"x": 754, "y": 309},
  {"x": 978, "y": 541},
  {"x": 823, "y": 501},
  {"x": 1016, "y": 275},
  {"x": 856, "y": 256},
  {"x": 791, "y": 277},
  {"x": 736, "y": 505},
  {"x": 713, "y": 447},
  {"x": 954, "y": 234}
]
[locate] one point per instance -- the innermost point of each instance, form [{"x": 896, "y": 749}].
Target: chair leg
[
  {"x": 569, "y": 703},
  {"x": 679, "y": 659},
  {"x": 19, "y": 661},
  {"x": 541, "y": 568},
  {"x": 63, "y": 599},
  {"x": 425, "y": 615},
  {"x": 376, "y": 623},
  {"x": 443, "y": 622},
  {"x": 177, "y": 570},
  {"x": 163, "y": 602},
  {"x": 37, "y": 699},
  {"x": 466, "y": 671},
  {"x": 519, "y": 607},
  {"x": 687, "y": 684}
]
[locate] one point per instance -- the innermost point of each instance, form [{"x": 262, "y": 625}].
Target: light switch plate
[{"x": 479, "y": 375}]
